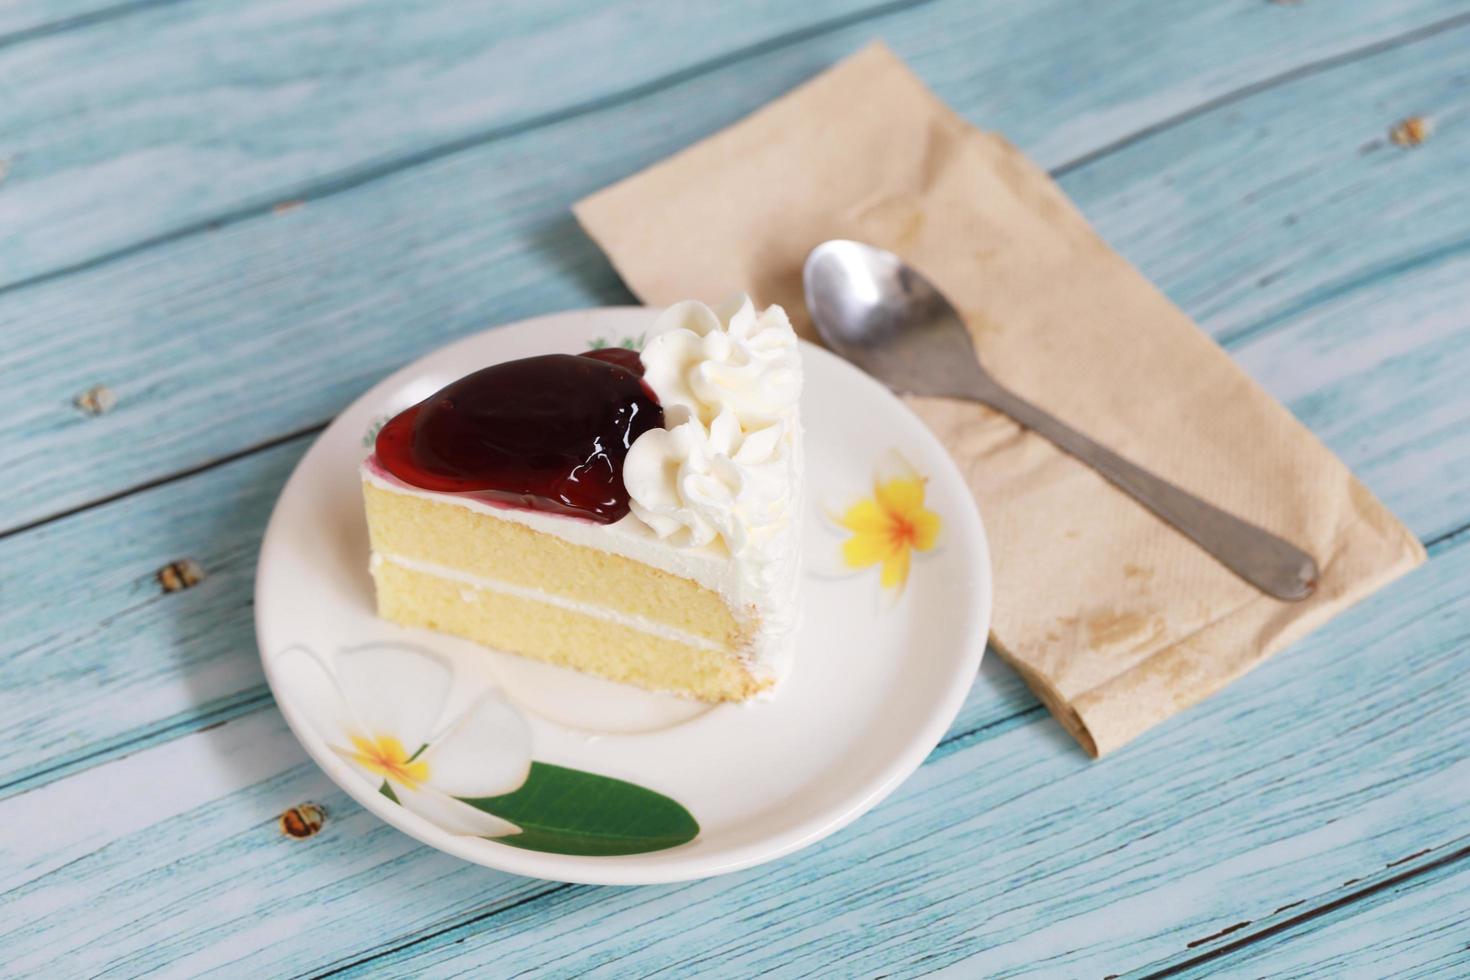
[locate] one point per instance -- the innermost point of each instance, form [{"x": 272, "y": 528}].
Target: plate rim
[{"x": 635, "y": 869}]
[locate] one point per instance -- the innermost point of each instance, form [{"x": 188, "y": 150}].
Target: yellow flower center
[
  {"x": 385, "y": 756},
  {"x": 901, "y": 532}
]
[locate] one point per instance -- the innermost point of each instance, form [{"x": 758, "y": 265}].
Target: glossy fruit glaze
[{"x": 544, "y": 433}]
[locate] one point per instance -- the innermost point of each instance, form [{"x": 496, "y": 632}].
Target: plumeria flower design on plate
[
  {"x": 381, "y": 706},
  {"x": 384, "y": 708},
  {"x": 886, "y": 527}
]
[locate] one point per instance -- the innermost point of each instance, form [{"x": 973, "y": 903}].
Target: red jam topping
[{"x": 545, "y": 433}]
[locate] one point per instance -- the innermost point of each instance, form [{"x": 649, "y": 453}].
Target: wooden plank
[
  {"x": 97, "y": 655},
  {"x": 1012, "y": 850},
  {"x": 1377, "y": 373},
  {"x": 289, "y": 99},
  {"x": 190, "y": 333},
  {"x": 192, "y": 833},
  {"x": 1297, "y": 192},
  {"x": 1414, "y": 928}
]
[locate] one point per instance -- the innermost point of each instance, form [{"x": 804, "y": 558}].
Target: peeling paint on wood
[
  {"x": 179, "y": 575},
  {"x": 96, "y": 400},
  {"x": 1407, "y": 858},
  {"x": 1223, "y": 932},
  {"x": 303, "y": 820},
  {"x": 1412, "y": 131}
]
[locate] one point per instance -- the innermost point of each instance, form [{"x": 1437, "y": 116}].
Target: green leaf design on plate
[
  {"x": 627, "y": 342},
  {"x": 568, "y": 811},
  {"x": 370, "y": 437}
]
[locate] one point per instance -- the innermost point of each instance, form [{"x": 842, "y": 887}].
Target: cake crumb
[
  {"x": 286, "y": 207},
  {"x": 1411, "y": 131},
  {"x": 96, "y": 400},
  {"x": 179, "y": 575},
  {"x": 303, "y": 820}
]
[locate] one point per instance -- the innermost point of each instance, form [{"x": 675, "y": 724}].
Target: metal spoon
[{"x": 894, "y": 324}]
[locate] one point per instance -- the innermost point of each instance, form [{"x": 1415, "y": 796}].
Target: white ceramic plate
[{"x": 880, "y": 672}]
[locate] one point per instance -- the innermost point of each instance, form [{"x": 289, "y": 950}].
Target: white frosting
[
  {"x": 726, "y": 470},
  {"x": 716, "y": 494},
  {"x": 703, "y": 363}
]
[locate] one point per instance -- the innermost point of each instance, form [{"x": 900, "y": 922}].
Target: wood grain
[
  {"x": 1373, "y": 371},
  {"x": 190, "y": 332},
  {"x": 96, "y": 654},
  {"x": 1416, "y": 928},
  {"x": 201, "y": 814}
]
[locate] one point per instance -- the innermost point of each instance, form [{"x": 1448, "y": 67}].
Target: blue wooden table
[{"x": 221, "y": 220}]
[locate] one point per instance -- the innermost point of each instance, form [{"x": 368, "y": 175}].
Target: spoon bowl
[{"x": 877, "y": 311}]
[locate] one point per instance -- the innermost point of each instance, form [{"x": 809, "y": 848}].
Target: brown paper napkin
[{"x": 1114, "y": 619}]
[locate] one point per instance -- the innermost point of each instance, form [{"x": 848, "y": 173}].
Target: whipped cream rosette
[{"x": 729, "y": 381}]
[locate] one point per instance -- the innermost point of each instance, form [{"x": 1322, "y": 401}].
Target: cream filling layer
[{"x": 604, "y": 613}]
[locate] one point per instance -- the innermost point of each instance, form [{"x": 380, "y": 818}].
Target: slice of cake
[{"x": 632, "y": 516}]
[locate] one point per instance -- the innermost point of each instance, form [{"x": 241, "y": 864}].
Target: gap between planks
[
  {"x": 88, "y": 19},
  {"x": 1361, "y": 279},
  {"x": 180, "y": 725},
  {"x": 552, "y": 888},
  {"x": 157, "y": 482}
]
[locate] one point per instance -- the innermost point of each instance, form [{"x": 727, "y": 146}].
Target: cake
[{"x": 634, "y": 516}]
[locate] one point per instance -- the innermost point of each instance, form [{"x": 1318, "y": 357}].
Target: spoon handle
[{"x": 1271, "y": 564}]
